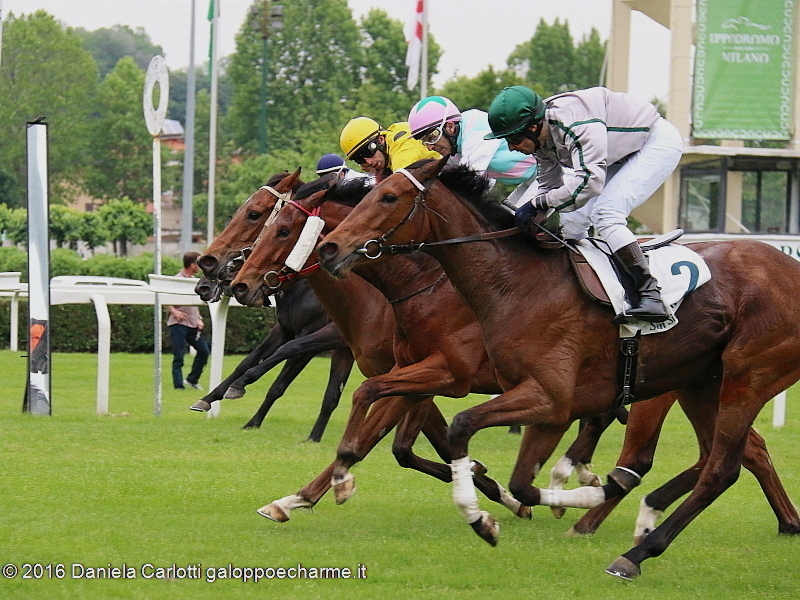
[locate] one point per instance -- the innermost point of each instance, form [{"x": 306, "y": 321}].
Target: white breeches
[{"x": 627, "y": 186}]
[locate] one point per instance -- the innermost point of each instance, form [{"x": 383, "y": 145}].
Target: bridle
[
  {"x": 273, "y": 280},
  {"x": 375, "y": 248},
  {"x": 239, "y": 259}
]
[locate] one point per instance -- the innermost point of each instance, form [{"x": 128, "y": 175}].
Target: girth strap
[{"x": 626, "y": 369}]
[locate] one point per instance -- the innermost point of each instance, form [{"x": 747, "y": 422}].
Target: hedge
[{"x": 74, "y": 327}]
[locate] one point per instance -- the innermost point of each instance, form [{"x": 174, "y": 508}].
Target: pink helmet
[{"x": 430, "y": 112}]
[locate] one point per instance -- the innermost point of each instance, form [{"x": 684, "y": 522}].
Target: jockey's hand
[{"x": 523, "y": 216}]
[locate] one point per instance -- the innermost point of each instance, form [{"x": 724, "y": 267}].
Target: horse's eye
[
  {"x": 284, "y": 232},
  {"x": 389, "y": 199},
  {"x": 254, "y": 215}
]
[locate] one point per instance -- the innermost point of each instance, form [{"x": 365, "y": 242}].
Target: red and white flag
[{"x": 414, "y": 39}]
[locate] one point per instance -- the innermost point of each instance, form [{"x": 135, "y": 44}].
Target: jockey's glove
[{"x": 524, "y": 214}]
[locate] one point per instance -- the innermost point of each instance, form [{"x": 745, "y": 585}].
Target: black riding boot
[{"x": 650, "y": 307}]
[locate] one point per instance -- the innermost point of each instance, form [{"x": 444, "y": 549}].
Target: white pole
[
  {"x": 154, "y": 118},
  {"x": 188, "y": 156},
  {"x": 423, "y": 76},
  {"x": 212, "y": 134},
  {"x": 779, "y": 410},
  {"x": 103, "y": 351},
  {"x": 219, "y": 320}
]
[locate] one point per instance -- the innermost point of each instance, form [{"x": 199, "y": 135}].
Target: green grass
[{"x": 182, "y": 489}]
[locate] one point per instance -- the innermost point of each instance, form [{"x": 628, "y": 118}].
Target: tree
[
  {"x": 121, "y": 152},
  {"x": 383, "y": 94},
  {"x": 312, "y": 69},
  {"x": 127, "y": 222},
  {"x": 479, "y": 91},
  {"x": 65, "y": 225},
  {"x": 109, "y": 44},
  {"x": 45, "y": 72},
  {"x": 546, "y": 62},
  {"x": 93, "y": 231},
  {"x": 589, "y": 56}
]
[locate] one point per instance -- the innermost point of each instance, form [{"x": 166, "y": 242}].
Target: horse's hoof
[
  {"x": 274, "y": 512},
  {"x": 478, "y": 468},
  {"x": 250, "y": 425},
  {"x": 524, "y": 512},
  {"x": 624, "y": 569},
  {"x": 487, "y": 528},
  {"x": 558, "y": 511},
  {"x": 574, "y": 533},
  {"x": 343, "y": 487},
  {"x": 200, "y": 406},
  {"x": 233, "y": 393}
]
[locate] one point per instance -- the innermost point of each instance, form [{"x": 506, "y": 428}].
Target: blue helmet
[{"x": 330, "y": 163}]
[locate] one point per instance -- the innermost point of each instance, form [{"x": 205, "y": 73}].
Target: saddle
[{"x": 590, "y": 282}]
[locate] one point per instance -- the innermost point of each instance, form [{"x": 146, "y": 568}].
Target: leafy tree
[
  {"x": 109, "y": 44},
  {"x": 312, "y": 69},
  {"x": 121, "y": 152},
  {"x": 93, "y": 231},
  {"x": 127, "y": 222},
  {"x": 17, "y": 225},
  {"x": 384, "y": 95},
  {"x": 65, "y": 225},
  {"x": 45, "y": 72},
  {"x": 546, "y": 62},
  {"x": 589, "y": 56},
  {"x": 479, "y": 91}
]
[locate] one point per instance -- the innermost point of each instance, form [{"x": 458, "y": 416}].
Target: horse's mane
[
  {"x": 474, "y": 187},
  {"x": 278, "y": 177},
  {"x": 348, "y": 192}
]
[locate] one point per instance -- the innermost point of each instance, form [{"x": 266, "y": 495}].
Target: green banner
[{"x": 743, "y": 70}]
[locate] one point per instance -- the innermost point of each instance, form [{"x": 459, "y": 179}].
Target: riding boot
[{"x": 650, "y": 307}]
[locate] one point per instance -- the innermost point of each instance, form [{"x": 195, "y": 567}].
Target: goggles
[
  {"x": 431, "y": 136},
  {"x": 367, "y": 151}
]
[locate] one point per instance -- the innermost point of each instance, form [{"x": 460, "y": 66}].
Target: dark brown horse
[
  {"x": 335, "y": 204},
  {"x": 554, "y": 350}
]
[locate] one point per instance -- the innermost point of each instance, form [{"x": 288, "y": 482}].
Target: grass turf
[{"x": 129, "y": 489}]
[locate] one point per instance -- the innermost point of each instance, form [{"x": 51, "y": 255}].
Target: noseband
[{"x": 273, "y": 280}]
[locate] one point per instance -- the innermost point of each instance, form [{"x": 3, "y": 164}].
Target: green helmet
[{"x": 513, "y": 109}]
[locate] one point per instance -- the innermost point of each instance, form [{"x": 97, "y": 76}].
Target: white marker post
[{"x": 154, "y": 117}]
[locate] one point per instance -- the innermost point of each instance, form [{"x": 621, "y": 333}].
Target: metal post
[
  {"x": 188, "y": 155},
  {"x": 262, "y": 118}
]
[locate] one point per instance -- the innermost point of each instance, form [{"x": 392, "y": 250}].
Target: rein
[
  {"x": 373, "y": 249},
  {"x": 425, "y": 289}
]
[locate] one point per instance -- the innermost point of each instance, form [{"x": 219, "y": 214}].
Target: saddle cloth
[{"x": 677, "y": 269}]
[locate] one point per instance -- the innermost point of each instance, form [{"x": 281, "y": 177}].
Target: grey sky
[{"x": 473, "y": 33}]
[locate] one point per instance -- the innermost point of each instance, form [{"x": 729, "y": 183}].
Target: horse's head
[
  {"x": 209, "y": 291},
  {"x": 385, "y": 215},
  {"x": 228, "y": 251},
  {"x": 285, "y": 248}
]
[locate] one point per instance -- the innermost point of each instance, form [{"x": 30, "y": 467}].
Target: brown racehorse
[
  {"x": 268, "y": 264},
  {"x": 736, "y": 346},
  {"x": 368, "y": 325}
]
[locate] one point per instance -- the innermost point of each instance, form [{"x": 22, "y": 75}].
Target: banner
[{"x": 743, "y": 72}]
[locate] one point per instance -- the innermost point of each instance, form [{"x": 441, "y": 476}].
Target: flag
[
  {"x": 213, "y": 15},
  {"x": 414, "y": 39}
]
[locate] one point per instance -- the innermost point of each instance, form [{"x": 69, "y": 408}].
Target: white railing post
[{"x": 103, "y": 351}]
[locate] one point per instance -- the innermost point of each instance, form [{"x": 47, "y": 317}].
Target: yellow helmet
[{"x": 357, "y": 133}]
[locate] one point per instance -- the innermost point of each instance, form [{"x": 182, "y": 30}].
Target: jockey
[
  {"x": 438, "y": 124},
  {"x": 379, "y": 151},
  {"x": 601, "y": 154},
  {"x": 333, "y": 163}
]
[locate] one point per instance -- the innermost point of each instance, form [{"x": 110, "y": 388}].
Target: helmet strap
[
  {"x": 535, "y": 135},
  {"x": 452, "y": 137}
]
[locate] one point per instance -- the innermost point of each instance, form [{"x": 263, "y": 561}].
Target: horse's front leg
[{"x": 514, "y": 407}]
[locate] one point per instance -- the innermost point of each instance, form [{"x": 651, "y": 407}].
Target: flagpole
[
  {"x": 1, "y": 31},
  {"x": 212, "y": 134},
  {"x": 423, "y": 83},
  {"x": 188, "y": 155}
]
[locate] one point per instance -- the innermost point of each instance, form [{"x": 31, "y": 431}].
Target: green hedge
[{"x": 74, "y": 327}]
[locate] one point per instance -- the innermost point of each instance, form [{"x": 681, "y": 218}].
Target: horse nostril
[
  {"x": 328, "y": 250},
  {"x": 240, "y": 290},
  {"x": 207, "y": 262}
]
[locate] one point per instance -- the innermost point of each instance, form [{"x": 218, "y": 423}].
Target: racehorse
[
  {"x": 350, "y": 307},
  {"x": 373, "y": 344},
  {"x": 268, "y": 264},
  {"x": 302, "y": 327},
  {"x": 554, "y": 350}
]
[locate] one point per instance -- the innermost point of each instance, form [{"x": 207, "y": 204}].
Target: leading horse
[{"x": 554, "y": 350}]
